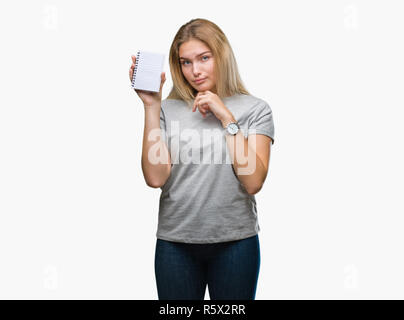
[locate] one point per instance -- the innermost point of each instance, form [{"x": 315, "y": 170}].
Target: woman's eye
[{"x": 184, "y": 62}]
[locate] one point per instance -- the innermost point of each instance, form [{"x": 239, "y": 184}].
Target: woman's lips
[{"x": 200, "y": 80}]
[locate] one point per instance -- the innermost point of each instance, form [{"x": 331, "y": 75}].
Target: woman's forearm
[
  {"x": 247, "y": 166},
  {"x": 156, "y": 160}
]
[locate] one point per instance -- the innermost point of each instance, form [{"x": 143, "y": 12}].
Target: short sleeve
[
  {"x": 163, "y": 125},
  {"x": 261, "y": 121}
]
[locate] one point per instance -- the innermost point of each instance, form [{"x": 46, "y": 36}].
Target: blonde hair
[{"x": 228, "y": 81}]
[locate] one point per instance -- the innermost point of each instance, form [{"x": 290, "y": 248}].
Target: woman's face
[{"x": 197, "y": 62}]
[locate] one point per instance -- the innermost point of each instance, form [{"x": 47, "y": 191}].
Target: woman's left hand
[{"x": 208, "y": 101}]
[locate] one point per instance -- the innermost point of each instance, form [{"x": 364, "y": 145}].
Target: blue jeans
[{"x": 230, "y": 269}]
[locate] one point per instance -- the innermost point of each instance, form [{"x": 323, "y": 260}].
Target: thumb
[{"x": 163, "y": 79}]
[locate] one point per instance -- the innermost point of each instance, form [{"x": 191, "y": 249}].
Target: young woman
[{"x": 207, "y": 228}]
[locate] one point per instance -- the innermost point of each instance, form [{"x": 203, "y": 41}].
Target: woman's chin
[{"x": 204, "y": 87}]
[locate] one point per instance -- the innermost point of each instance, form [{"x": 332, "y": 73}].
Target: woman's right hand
[{"x": 148, "y": 97}]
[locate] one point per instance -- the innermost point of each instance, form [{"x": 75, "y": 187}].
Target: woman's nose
[{"x": 195, "y": 70}]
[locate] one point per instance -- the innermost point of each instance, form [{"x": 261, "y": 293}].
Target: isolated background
[{"x": 77, "y": 220}]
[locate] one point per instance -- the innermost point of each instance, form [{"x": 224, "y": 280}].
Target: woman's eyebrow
[{"x": 196, "y": 55}]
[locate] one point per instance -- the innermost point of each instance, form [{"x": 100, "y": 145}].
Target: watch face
[{"x": 232, "y": 128}]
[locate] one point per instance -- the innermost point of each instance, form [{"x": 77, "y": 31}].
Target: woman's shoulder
[
  {"x": 174, "y": 108},
  {"x": 173, "y": 102},
  {"x": 256, "y": 100},
  {"x": 254, "y": 104}
]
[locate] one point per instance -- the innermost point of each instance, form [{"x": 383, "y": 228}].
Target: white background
[{"x": 77, "y": 220}]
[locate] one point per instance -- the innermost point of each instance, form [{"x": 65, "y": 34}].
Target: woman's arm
[
  {"x": 250, "y": 158},
  {"x": 156, "y": 160}
]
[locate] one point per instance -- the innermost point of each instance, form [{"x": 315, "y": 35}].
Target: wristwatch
[{"x": 232, "y": 128}]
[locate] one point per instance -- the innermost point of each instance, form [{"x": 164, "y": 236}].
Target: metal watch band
[{"x": 227, "y": 128}]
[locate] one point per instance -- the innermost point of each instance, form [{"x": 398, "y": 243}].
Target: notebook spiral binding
[{"x": 134, "y": 71}]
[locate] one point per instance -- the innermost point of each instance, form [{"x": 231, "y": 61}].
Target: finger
[
  {"x": 202, "y": 110},
  {"x": 195, "y": 105},
  {"x": 163, "y": 79},
  {"x": 131, "y": 69},
  {"x": 202, "y": 106},
  {"x": 199, "y": 106},
  {"x": 202, "y": 101}
]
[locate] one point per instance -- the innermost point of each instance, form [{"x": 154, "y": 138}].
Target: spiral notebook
[{"x": 147, "y": 71}]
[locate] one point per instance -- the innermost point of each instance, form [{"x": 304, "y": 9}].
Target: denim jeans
[{"x": 229, "y": 269}]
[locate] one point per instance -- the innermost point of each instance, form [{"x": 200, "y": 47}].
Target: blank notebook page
[{"x": 147, "y": 72}]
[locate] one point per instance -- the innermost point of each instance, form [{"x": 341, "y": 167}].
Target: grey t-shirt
[{"x": 203, "y": 201}]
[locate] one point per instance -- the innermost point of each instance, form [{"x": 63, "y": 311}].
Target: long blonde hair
[{"x": 228, "y": 81}]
